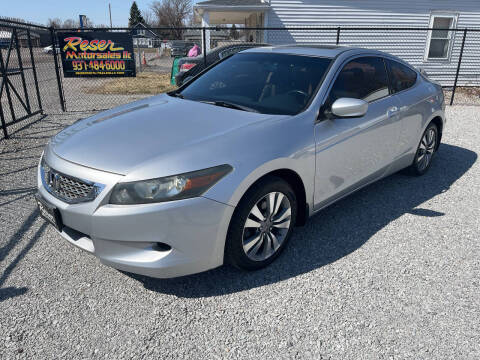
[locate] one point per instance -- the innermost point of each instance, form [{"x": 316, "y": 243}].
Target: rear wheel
[
  {"x": 425, "y": 151},
  {"x": 261, "y": 224}
]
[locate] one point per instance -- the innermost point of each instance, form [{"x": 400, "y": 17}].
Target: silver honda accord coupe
[{"x": 222, "y": 169}]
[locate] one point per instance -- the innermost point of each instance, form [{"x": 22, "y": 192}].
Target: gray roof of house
[
  {"x": 232, "y": 3},
  {"x": 140, "y": 26}
]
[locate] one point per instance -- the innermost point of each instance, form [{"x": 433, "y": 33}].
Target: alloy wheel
[
  {"x": 426, "y": 149},
  {"x": 266, "y": 226}
]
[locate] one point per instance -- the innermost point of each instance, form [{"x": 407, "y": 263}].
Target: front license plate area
[{"x": 49, "y": 212}]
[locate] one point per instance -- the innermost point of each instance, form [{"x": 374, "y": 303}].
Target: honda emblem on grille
[{"x": 54, "y": 180}]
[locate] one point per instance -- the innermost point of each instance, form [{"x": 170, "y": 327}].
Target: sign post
[
  {"x": 97, "y": 54},
  {"x": 82, "y": 18}
]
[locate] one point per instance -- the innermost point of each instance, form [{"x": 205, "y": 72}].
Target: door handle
[{"x": 392, "y": 111}]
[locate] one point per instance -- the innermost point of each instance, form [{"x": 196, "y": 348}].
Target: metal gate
[{"x": 19, "y": 92}]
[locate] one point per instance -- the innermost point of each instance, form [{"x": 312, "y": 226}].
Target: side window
[
  {"x": 402, "y": 77},
  {"x": 362, "y": 78}
]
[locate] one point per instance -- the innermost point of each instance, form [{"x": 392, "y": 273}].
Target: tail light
[{"x": 186, "y": 66}]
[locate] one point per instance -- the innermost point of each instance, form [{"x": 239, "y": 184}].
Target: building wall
[{"x": 409, "y": 45}]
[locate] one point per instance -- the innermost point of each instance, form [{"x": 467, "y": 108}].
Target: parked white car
[{"x": 49, "y": 49}]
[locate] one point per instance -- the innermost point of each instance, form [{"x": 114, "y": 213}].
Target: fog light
[{"x": 159, "y": 246}]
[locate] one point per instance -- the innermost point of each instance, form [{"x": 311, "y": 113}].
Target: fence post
[
  {"x": 22, "y": 75},
  {"x": 139, "y": 56},
  {"x": 338, "y": 35},
  {"x": 3, "y": 75},
  {"x": 4, "y": 125},
  {"x": 458, "y": 66},
  {"x": 55, "y": 60},
  {"x": 5, "y": 80},
  {"x": 204, "y": 44},
  {"x": 34, "y": 69}
]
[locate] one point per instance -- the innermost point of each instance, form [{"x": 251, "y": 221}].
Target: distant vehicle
[
  {"x": 49, "y": 49},
  {"x": 179, "y": 48},
  {"x": 189, "y": 67}
]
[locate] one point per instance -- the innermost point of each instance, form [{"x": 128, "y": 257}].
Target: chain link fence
[
  {"x": 28, "y": 80},
  {"x": 161, "y": 53},
  {"x": 159, "y": 58}
]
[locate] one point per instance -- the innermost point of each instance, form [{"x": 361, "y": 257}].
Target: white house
[
  {"x": 144, "y": 37},
  {"x": 436, "y": 51}
]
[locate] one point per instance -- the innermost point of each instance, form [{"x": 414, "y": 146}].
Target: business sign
[{"x": 97, "y": 54}]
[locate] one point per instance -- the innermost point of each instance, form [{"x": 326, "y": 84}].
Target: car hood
[{"x": 121, "y": 139}]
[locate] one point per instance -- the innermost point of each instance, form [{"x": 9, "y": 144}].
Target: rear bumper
[{"x": 126, "y": 237}]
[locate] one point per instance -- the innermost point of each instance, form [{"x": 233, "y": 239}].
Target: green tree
[{"x": 135, "y": 16}]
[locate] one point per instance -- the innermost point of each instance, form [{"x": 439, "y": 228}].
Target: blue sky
[{"x": 40, "y": 10}]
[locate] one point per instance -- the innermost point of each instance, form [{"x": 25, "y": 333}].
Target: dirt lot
[{"x": 392, "y": 272}]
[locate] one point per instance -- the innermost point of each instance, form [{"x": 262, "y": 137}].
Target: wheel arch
[
  {"x": 438, "y": 120},
  {"x": 295, "y": 181}
]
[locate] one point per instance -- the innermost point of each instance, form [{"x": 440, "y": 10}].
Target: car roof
[{"x": 329, "y": 51}]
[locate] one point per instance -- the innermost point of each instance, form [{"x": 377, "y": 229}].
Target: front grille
[{"x": 68, "y": 188}]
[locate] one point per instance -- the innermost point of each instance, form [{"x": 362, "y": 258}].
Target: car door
[
  {"x": 412, "y": 96},
  {"x": 351, "y": 152}
]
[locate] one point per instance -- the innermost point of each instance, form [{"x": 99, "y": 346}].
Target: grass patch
[{"x": 144, "y": 83}]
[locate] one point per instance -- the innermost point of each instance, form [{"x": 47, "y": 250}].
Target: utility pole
[{"x": 110, "y": 12}]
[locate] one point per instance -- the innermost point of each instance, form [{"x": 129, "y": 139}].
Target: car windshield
[{"x": 262, "y": 82}]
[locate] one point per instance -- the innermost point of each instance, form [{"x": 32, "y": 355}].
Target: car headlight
[{"x": 168, "y": 188}]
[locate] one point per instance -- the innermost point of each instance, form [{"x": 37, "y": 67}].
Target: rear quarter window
[{"x": 401, "y": 76}]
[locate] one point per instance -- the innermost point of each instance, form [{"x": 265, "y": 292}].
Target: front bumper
[{"x": 125, "y": 236}]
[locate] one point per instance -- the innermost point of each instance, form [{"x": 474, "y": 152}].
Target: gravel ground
[{"x": 393, "y": 271}]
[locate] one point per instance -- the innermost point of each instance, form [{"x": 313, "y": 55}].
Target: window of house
[
  {"x": 440, "y": 41},
  {"x": 401, "y": 76},
  {"x": 362, "y": 78}
]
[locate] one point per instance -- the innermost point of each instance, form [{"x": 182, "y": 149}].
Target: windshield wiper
[{"x": 230, "y": 105}]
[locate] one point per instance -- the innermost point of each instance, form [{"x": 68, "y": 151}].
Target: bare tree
[
  {"x": 173, "y": 14},
  {"x": 87, "y": 22},
  {"x": 70, "y": 24},
  {"x": 55, "y": 22},
  {"x": 73, "y": 24},
  {"x": 149, "y": 18}
]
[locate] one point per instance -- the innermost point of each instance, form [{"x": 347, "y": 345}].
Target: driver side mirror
[{"x": 349, "y": 107}]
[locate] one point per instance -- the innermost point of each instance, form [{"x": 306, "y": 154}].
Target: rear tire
[
  {"x": 261, "y": 225},
  {"x": 425, "y": 151}
]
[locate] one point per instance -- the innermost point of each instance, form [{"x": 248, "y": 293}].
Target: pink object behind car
[{"x": 194, "y": 51}]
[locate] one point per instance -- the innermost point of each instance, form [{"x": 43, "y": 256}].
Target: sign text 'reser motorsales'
[{"x": 98, "y": 53}]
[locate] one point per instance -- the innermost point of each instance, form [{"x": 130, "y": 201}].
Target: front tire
[
  {"x": 262, "y": 224},
  {"x": 425, "y": 151}
]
